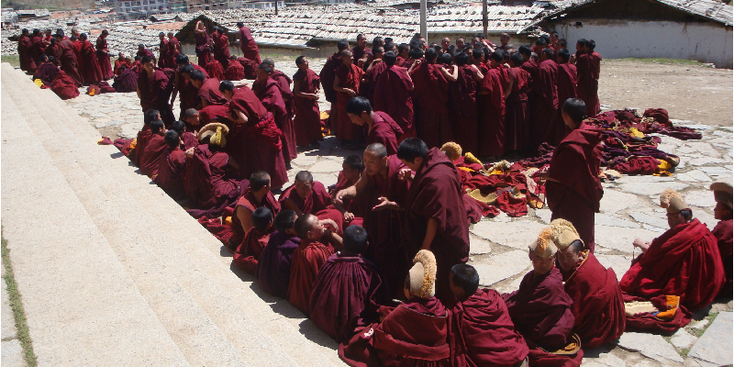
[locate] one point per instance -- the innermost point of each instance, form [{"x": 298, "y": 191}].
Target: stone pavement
[
  {"x": 629, "y": 210},
  {"x": 12, "y": 352}
]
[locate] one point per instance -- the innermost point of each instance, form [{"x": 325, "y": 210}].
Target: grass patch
[
  {"x": 684, "y": 352},
  {"x": 665, "y": 61},
  {"x": 17, "y": 305},
  {"x": 13, "y": 60}
]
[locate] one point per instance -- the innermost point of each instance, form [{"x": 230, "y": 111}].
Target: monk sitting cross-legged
[
  {"x": 307, "y": 196},
  {"x": 481, "y": 332},
  {"x": 154, "y": 150},
  {"x": 378, "y": 126},
  {"x": 347, "y": 289},
  {"x": 274, "y": 265},
  {"x": 171, "y": 167},
  {"x": 247, "y": 254},
  {"x": 256, "y": 196},
  {"x": 411, "y": 334}
]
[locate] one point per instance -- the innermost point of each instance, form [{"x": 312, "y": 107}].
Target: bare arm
[
  {"x": 245, "y": 217},
  {"x": 338, "y": 88},
  {"x": 453, "y": 75},
  {"x": 478, "y": 75},
  {"x": 288, "y": 204}
]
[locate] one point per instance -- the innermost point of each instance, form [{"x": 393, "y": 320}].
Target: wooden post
[
  {"x": 276, "y": 8},
  {"x": 424, "y": 27},
  {"x": 485, "y": 18}
]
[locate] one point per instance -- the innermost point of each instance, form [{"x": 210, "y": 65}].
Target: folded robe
[{"x": 307, "y": 260}]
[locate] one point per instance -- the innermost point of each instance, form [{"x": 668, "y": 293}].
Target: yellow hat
[
  {"x": 216, "y": 131},
  {"x": 452, "y": 150},
  {"x": 672, "y": 201},
  {"x": 423, "y": 274},
  {"x": 723, "y": 192},
  {"x": 544, "y": 246},
  {"x": 564, "y": 233}
]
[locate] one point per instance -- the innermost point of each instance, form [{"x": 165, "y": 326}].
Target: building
[{"x": 142, "y": 7}]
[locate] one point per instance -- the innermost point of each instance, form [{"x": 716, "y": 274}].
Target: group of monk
[{"x": 212, "y": 51}]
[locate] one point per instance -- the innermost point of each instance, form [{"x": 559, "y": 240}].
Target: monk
[
  {"x": 347, "y": 288},
  {"x": 307, "y": 122},
  {"x": 144, "y": 135},
  {"x": 317, "y": 244},
  {"x": 261, "y": 145},
  {"x": 328, "y": 72},
  {"x": 154, "y": 149},
  {"x": 247, "y": 44},
  {"x": 142, "y": 52},
  {"x": 346, "y": 83},
  {"x": 723, "y": 230},
  {"x": 68, "y": 58},
  {"x": 127, "y": 81},
  {"x": 588, "y": 63},
  {"x": 248, "y": 252},
  {"x": 171, "y": 167},
  {"x": 573, "y": 188},
  {"x": 492, "y": 108},
  {"x": 121, "y": 61},
  {"x": 91, "y": 72},
  {"x": 411, "y": 334},
  {"x": 377, "y": 126},
  {"x": 361, "y": 53},
  {"x": 350, "y": 174},
  {"x": 188, "y": 138},
  {"x": 221, "y": 46},
  {"x": 27, "y": 62},
  {"x": 204, "y": 44},
  {"x": 234, "y": 70},
  {"x": 103, "y": 55},
  {"x": 372, "y": 71},
  {"x": 266, "y": 89},
  {"x": 430, "y": 99},
  {"x": 517, "y": 110},
  {"x": 187, "y": 93},
  {"x": 462, "y": 97},
  {"x": 435, "y": 215},
  {"x": 256, "y": 196},
  {"x": 598, "y": 306},
  {"x": 47, "y": 70},
  {"x": 163, "y": 50},
  {"x": 684, "y": 262},
  {"x": 283, "y": 82},
  {"x": 64, "y": 86},
  {"x": 481, "y": 332},
  {"x": 215, "y": 69},
  {"x": 305, "y": 196},
  {"x": 207, "y": 90},
  {"x": 274, "y": 265},
  {"x": 566, "y": 89},
  {"x": 154, "y": 90},
  {"x": 174, "y": 49},
  {"x": 546, "y": 105},
  {"x": 392, "y": 95}
]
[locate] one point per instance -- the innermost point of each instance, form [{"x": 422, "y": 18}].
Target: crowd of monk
[{"x": 378, "y": 260}]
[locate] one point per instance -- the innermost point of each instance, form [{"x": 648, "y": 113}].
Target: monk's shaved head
[
  {"x": 258, "y": 180},
  {"x": 465, "y": 277},
  {"x": 304, "y": 176},
  {"x": 190, "y": 112},
  {"x": 304, "y": 224},
  {"x": 285, "y": 220},
  {"x": 377, "y": 149},
  {"x": 262, "y": 218}
]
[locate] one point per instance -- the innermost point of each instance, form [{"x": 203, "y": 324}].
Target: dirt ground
[{"x": 688, "y": 91}]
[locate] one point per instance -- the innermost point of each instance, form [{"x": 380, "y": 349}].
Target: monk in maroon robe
[
  {"x": 378, "y": 126},
  {"x": 290, "y": 152},
  {"x": 256, "y": 196},
  {"x": 214, "y": 69},
  {"x": 247, "y": 44},
  {"x": 142, "y": 52},
  {"x": 573, "y": 188},
  {"x": 171, "y": 167},
  {"x": 144, "y": 135},
  {"x": 91, "y": 72},
  {"x": 69, "y": 63},
  {"x": 566, "y": 89},
  {"x": 317, "y": 244},
  {"x": 154, "y": 150},
  {"x": 154, "y": 90},
  {"x": 127, "y": 81},
  {"x": 361, "y": 53},
  {"x": 163, "y": 50},
  {"x": 346, "y": 83},
  {"x": 103, "y": 55},
  {"x": 588, "y": 65},
  {"x": 274, "y": 265},
  {"x": 463, "y": 104},
  {"x": 221, "y": 46},
  {"x": 492, "y": 109},
  {"x": 207, "y": 90},
  {"x": 598, "y": 306},
  {"x": 64, "y": 86},
  {"x": 371, "y": 73},
  {"x": 52, "y": 50},
  {"x": 430, "y": 99},
  {"x": 392, "y": 95},
  {"x": 481, "y": 332},
  {"x": 120, "y": 62},
  {"x": 204, "y": 44},
  {"x": 435, "y": 215},
  {"x": 327, "y": 75},
  {"x": 174, "y": 49},
  {"x": 187, "y": 92},
  {"x": 305, "y": 196},
  {"x": 723, "y": 231},
  {"x": 27, "y": 63},
  {"x": 266, "y": 89},
  {"x": 348, "y": 288},
  {"x": 546, "y": 107},
  {"x": 248, "y": 252},
  {"x": 517, "y": 110},
  {"x": 235, "y": 70},
  {"x": 46, "y": 71},
  {"x": 305, "y": 99}
]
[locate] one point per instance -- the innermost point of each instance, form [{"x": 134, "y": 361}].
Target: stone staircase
[{"x": 114, "y": 272}]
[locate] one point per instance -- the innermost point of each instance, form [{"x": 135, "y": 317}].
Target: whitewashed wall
[{"x": 705, "y": 42}]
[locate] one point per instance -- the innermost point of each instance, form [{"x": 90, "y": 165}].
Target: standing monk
[
  {"x": 430, "y": 97},
  {"x": 566, "y": 89},
  {"x": 103, "y": 56},
  {"x": 154, "y": 90},
  {"x": 723, "y": 230},
  {"x": 378, "y": 126},
  {"x": 492, "y": 108},
  {"x": 305, "y": 98},
  {"x": 360, "y": 52},
  {"x": 68, "y": 58},
  {"x": 546, "y": 89},
  {"x": 91, "y": 73},
  {"x": 204, "y": 44},
  {"x": 266, "y": 89},
  {"x": 346, "y": 84},
  {"x": 283, "y": 82},
  {"x": 517, "y": 111},
  {"x": 248, "y": 45},
  {"x": 27, "y": 63},
  {"x": 221, "y": 46},
  {"x": 463, "y": 103},
  {"x": 174, "y": 49},
  {"x": 163, "y": 49},
  {"x": 588, "y": 64},
  {"x": 329, "y": 71},
  {"x": 392, "y": 95},
  {"x": 373, "y": 71}
]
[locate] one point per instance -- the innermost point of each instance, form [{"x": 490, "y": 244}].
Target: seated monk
[
  {"x": 207, "y": 89},
  {"x": 235, "y": 70},
  {"x": 154, "y": 150},
  {"x": 127, "y": 81},
  {"x": 723, "y": 230},
  {"x": 598, "y": 307},
  {"x": 481, "y": 332},
  {"x": 188, "y": 139},
  {"x": 680, "y": 270},
  {"x": 317, "y": 244},
  {"x": 274, "y": 266},
  {"x": 378, "y": 126},
  {"x": 307, "y": 196},
  {"x": 349, "y": 175},
  {"x": 47, "y": 71},
  {"x": 256, "y": 196},
  {"x": 540, "y": 308},
  {"x": 347, "y": 289},
  {"x": 412, "y": 334},
  {"x": 171, "y": 167},
  {"x": 215, "y": 69},
  {"x": 64, "y": 86},
  {"x": 247, "y": 254},
  {"x": 144, "y": 135}
]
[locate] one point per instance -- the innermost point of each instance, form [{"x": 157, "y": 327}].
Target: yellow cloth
[
  {"x": 470, "y": 158},
  {"x": 663, "y": 168},
  {"x": 38, "y": 82},
  {"x": 466, "y": 169},
  {"x": 133, "y": 143},
  {"x": 228, "y": 221},
  {"x": 324, "y": 115},
  {"x": 672, "y": 302},
  {"x": 636, "y": 133}
]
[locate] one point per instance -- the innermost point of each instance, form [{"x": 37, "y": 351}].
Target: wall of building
[{"x": 702, "y": 41}]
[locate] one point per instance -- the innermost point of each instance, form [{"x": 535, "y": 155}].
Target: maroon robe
[
  {"x": 69, "y": 63},
  {"x": 46, "y": 72},
  {"x": 248, "y": 201},
  {"x": 174, "y": 49},
  {"x": 566, "y": 89},
  {"x": 146, "y": 52},
  {"x": 347, "y": 288},
  {"x": 463, "y": 107},
  {"x": 234, "y": 71},
  {"x": 27, "y": 62},
  {"x": 307, "y": 260},
  {"x": 367, "y": 87},
  {"x": 598, "y": 306},
  {"x": 481, "y": 332},
  {"x": 436, "y": 192},
  {"x": 204, "y": 46},
  {"x": 274, "y": 265},
  {"x": 151, "y": 156},
  {"x": 119, "y": 64},
  {"x": 545, "y": 112},
  {"x": 91, "y": 72},
  {"x": 392, "y": 96},
  {"x": 155, "y": 93},
  {"x": 588, "y": 66},
  {"x": 170, "y": 172},
  {"x": 430, "y": 98},
  {"x": 269, "y": 94},
  {"x": 64, "y": 86},
  {"x": 384, "y": 131},
  {"x": 236, "y": 139},
  {"x": 163, "y": 53},
  {"x": 214, "y": 69},
  {"x": 205, "y": 182},
  {"x": 187, "y": 92},
  {"x": 248, "y": 252},
  {"x": 723, "y": 234},
  {"x": 209, "y": 92},
  {"x": 517, "y": 112},
  {"x": 221, "y": 49},
  {"x": 327, "y": 74},
  {"x": 412, "y": 334},
  {"x": 308, "y": 118},
  {"x": 317, "y": 200},
  {"x": 248, "y": 45},
  {"x": 684, "y": 261},
  {"x": 141, "y": 140},
  {"x": 541, "y": 310},
  {"x": 349, "y": 77},
  {"x": 573, "y": 189},
  {"x": 290, "y": 152},
  {"x": 126, "y": 82},
  {"x": 103, "y": 58},
  {"x": 492, "y": 113}
]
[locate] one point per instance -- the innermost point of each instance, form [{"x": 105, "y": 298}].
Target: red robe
[
  {"x": 492, "y": 113},
  {"x": 327, "y": 77},
  {"x": 205, "y": 183},
  {"x": 598, "y": 306},
  {"x": 103, "y": 58},
  {"x": 248, "y": 201},
  {"x": 348, "y": 288},
  {"x": 269, "y": 94},
  {"x": 174, "y": 49},
  {"x": 437, "y": 193},
  {"x": 27, "y": 61},
  {"x": 430, "y": 98},
  {"x": 723, "y": 234},
  {"x": 290, "y": 152},
  {"x": 308, "y": 119},
  {"x": 517, "y": 112},
  {"x": 274, "y": 265},
  {"x": 64, "y": 86},
  {"x": 412, "y": 334},
  {"x": 163, "y": 49},
  {"x": 588, "y": 66},
  {"x": 317, "y": 200},
  {"x": 221, "y": 49},
  {"x": 234, "y": 71},
  {"x": 170, "y": 172},
  {"x": 248, "y": 45},
  {"x": 541, "y": 310},
  {"x": 349, "y": 77},
  {"x": 481, "y": 332},
  {"x": 248, "y": 252},
  {"x": 152, "y": 154},
  {"x": 384, "y": 131},
  {"x": 209, "y": 92},
  {"x": 46, "y": 72},
  {"x": 214, "y": 69},
  {"x": 91, "y": 72},
  {"x": 367, "y": 87},
  {"x": 392, "y": 96},
  {"x": 119, "y": 64},
  {"x": 307, "y": 260},
  {"x": 141, "y": 140},
  {"x": 236, "y": 139},
  {"x": 155, "y": 92},
  {"x": 546, "y": 107},
  {"x": 463, "y": 106},
  {"x": 69, "y": 63},
  {"x": 566, "y": 89},
  {"x": 204, "y": 46},
  {"x": 573, "y": 189},
  {"x": 684, "y": 261}
]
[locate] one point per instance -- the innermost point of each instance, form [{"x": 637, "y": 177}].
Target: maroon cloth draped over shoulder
[
  {"x": 215, "y": 69},
  {"x": 151, "y": 155},
  {"x": 430, "y": 98},
  {"x": 248, "y": 45},
  {"x": 492, "y": 113},
  {"x": 204, "y": 46},
  {"x": 573, "y": 188},
  {"x": 481, "y": 332},
  {"x": 126, "y": 82},
  {"x": 588, "y": 66},
  {"x": 46, "y": 72},
  {"x": 155, "y": 91},
  {"x": 307, "y": 260},
  {"x": 269, "y": 94},
  {"x": 64, "y": 86},
  {"x": 349, "y": 77},
  {"x": 463, "y": 106},
  {"x": 249, "y": 251},
  {"x": 384, "y": 131},
  {"x": 274, "y": 266},
  {"x": 567, "y": 82},
  {"x": 308, "y": 119},
  {"x": 392, "y": 96},
  {"x": 205, "y": 182},
  {"x": 221, "y": 48},
  {"x": 723, "y": 234},
  {"x": 546, "y": 105},
  {"x": 436, "y": 193},
  {"x": 290, "y": 152},
  {"x": 684, "y": 261},
  {"x": 598, "y": 306},
  {"x": 170, "y": 173},
  {"x": 69, "y": 62},
  {"x": 348, "y": 288},
  {"x": 317, "y": 200},
  {"x": 103, "y": 58},
  {"x": 234, "y": 71},
  {"x": 209, "y": 91},
  {"x": 541, "y": 310},
  {"x": 327, "y": 76},
  {"x": 517, "y": 112},
  {"x": 88, "y": 65},
  {"x": 248, "y": 201},
  {"x": 367, "y": 86}
]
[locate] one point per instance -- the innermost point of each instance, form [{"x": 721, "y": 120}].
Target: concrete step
[
  {"x": 317, "y": 350},
  {"x": 81, "y": 305}
]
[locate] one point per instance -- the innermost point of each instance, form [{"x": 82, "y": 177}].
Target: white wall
[{"x": 705, "y": 42}]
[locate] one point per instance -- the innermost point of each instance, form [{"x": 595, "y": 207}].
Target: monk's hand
[
  {"x": 405, "y": 174},
  {"x": 339, "y": 197},
  {"x": 190, "y": 152},
  {"x": 329, "y": 223},
  {"x": 350, "y": 92},
  {"x": 348, "y": 217},
  {"x": 642, "y": 245},
  {"x": 385, "y": 204}
]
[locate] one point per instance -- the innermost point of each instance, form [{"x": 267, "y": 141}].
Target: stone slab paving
[
  {"x": 12, "y": 352},
  {"x": 708, "y": 348},
  {"x": 629, "y": 210}
]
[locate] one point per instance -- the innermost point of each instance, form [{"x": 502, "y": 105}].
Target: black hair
[
  {"x": 497, "y": 56},
  {"x": 412, "y": 148},
  {"x": 83, "y": 36},
  {"x": 240, "y": 24},
  {"x": 466, "y": 277},
  {"x": 179, "y": 126},
  {"x": 261, "y": 218},
  {"x": 303, "y": 225},
  {"x": 431, "y": 54},
  {"x": 541, "y": 42},
  {"x": 188, "y": 69},
  {"x": 150, "y": 115},
  {"x": 377, "y": 40},
  {"x": 156, "y": 126},
  {"x": 582, "y": 41},
  {"x": 591, "y": 45},
  {"x": 416, "y": 53},
  {"x": 575, "y": 108},
  {"x": 258, "y": 180},
  {"x": 389, "y": 58},
  {"x": 376, "y": 49},
  {"x": 285, "y": 220},
  {"x": 445, "y": 58},
  {"x": 563, "y": 55},
  {"x": 357, "y": 105},
  {"x": 304, "y": 176},
  {"x": 105, "y": 33},
  {"x": 299, "y": 60},
  {"x": 354, "y": 162},
  {"x": 43, "y": 57},
  {"x": 516, "y": 59},
  {"x": 266, "y": 68},
  {"x": 355, "y": 239},
  {"x": 687, "y": 214},
  {"x": 576, "y": 246},
  {"x": 505, "y": 54},
  {"x": 172, "y": 138},
  {"x": 342, "y": 45},
  {"x": 478, "y": 53},
  {"x": 182, "y": 59},
  {"x": 525, "y": 50},
  {"x": 146, "y": 59},
  {"x": 403, "y": 47},
  {"x": 161, "y": 34},
  {"x": 198, "y": 75},
  {"x": 226, "y": 86},
  {"x": 563, "y": 42},
  {"x": 462, "y": 59},
  {"x": 549, "y": 53}
]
